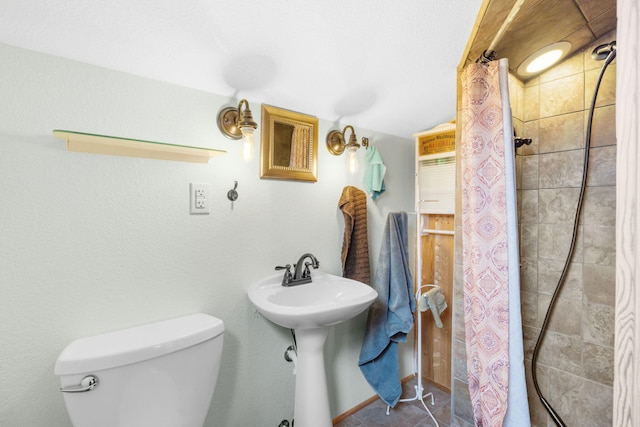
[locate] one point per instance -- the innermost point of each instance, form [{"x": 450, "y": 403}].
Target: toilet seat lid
[{"x": 136, "y": 344}]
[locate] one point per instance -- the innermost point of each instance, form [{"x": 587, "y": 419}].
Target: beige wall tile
[
  {"x": 530, "y": 166},
  {"x": 462, "y": 406},
  {"x": 599, "y": 284},
  {"x": 518, "y": 126},
  {"x": 562, "y": 352},
  {"x": 529, "y": 274},
  {"x": 607, "y": 90},
  {"x": 602, "y": 166},
  {"x": 566, "y": 318},
  {"x": 529, "y": 207},
  {"x": 599, "y": 321},
  {"x": 554, "y": 242},
  {"x": 558, "y": 205},
  {"x": 599, "y": 206},
  {"x": 518, "y": 172},
  {"x": 516, "y": 97},
  {"x": 598, "y": 363},
  {"x": 531, "y": 106},
  {"x": 459, "y": 357},
  {"x": 599, "y": 245},
  {"x": 603, "y": 130},
  {"x": 529, "y": 308},
  {"x": 561, "y": 96},
  {"x": 561, "y": 169},
  {"x": 536, "y": 410},
  {"x": 562, "y": 132},
  {"x": 458, "y": 306},
  {"x": 459, "y": 422},
  {"x": 569, "y": 67},
  {"x": 530, "y": 131},
  {"x": 529, "y": 240},
  {"x": 532, "y": 82},
  {"x": 549, "y": 272},
  {"x": 530, "y": 337},
  {"x": 579, "y": 401}
]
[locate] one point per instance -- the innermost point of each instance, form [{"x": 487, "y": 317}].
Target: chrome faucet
[{"x": 300, "y": 275}]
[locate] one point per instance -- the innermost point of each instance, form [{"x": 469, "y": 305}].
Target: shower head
[{"x": 605, "y": 51}]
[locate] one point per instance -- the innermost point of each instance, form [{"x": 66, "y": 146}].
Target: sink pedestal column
[{"x": 311, "y": 397}]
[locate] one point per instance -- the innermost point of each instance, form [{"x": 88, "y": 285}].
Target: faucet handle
[
  {"x": 287, "y": 274},
  {"x": 306, "y": 273}
]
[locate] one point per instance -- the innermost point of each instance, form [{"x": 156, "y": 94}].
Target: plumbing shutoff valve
[{"x": 290, "y": 355}]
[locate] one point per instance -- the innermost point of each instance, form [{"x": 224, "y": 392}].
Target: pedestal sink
[{"x": 310, "y": 309}]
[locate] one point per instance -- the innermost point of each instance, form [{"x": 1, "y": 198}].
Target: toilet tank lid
[{"x": 132, "y": 345}]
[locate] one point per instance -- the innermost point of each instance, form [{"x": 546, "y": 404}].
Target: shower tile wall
[{"x": 575, "y": 368}]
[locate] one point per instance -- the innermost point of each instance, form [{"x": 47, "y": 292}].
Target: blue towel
[
  {"x": 374, "y": 170},
  {"x": 391, "y": 314}
]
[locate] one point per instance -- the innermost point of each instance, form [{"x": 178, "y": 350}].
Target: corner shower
[
  {"x": 606, "y": 52},
  {"x": 573, "y": 367}
]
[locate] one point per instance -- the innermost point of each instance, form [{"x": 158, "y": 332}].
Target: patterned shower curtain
[{"x": 493, "y": 327}]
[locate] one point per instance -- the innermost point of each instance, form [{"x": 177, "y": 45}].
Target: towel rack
[
  {"x": 427, "y": 231},
  {"x": 419, "y": 388},
  {"x": 417, "y": 361}
]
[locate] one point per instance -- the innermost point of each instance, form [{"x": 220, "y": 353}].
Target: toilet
[{"x": 157, "y": 375}]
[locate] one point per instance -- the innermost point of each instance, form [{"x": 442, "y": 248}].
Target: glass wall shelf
[{"x": 103, "y": 144}]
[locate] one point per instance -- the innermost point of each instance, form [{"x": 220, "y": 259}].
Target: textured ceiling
[{"x": 377, "y": 64}]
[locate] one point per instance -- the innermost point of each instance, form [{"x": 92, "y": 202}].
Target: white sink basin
[
  {"x": 327, "y": 300},
  {"x": 311, "y": 309}
]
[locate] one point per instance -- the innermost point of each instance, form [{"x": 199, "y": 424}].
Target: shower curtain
[{"x": 493, "y": 324}]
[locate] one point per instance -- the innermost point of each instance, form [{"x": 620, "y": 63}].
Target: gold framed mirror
[{"x": 289, "y": 145}]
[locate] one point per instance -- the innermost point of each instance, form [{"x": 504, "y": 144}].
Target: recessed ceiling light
[{"x": 543, "y": 58}]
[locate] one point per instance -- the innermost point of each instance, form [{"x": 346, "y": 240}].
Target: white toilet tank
[{"x": 156, "y": 375}]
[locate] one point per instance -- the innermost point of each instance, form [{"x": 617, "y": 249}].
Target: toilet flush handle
[{"x": 88, "y": 383}]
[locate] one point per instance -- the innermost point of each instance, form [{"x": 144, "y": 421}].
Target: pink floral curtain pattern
[{"x": 485, "y": 248}]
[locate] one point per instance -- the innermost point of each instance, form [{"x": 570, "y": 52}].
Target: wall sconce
[
  {"x": 336, "y": 144},
  {"x": 235, "y": 123}
]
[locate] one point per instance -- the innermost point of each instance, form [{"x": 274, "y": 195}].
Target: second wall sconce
[
  {"x": 236, "y": 123},
  {"x": 337, "y": 143}
]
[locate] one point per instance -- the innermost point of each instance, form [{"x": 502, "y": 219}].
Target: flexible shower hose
[{"x": 556, "y": 418}]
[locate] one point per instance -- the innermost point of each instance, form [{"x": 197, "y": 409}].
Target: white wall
[{"x": 93, "y": 243}]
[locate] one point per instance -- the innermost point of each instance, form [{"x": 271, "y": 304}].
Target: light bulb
[
  {"x": 352, "y": 160},
  {"x": 544, "y": 58},
  {"x": 247, "y": 143},
  {"x": 544, "y": 61}
]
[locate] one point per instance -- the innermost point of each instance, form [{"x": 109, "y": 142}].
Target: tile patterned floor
[{"x": 405, "y": 414}]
